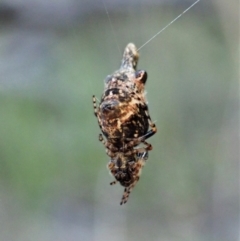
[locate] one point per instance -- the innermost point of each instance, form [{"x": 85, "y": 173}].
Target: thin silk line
[
  {"x": 169, "y": 24},
  {"x": 111, "y": 25}
]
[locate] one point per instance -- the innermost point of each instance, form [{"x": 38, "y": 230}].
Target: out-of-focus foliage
[{"x": 54, "y": 181}]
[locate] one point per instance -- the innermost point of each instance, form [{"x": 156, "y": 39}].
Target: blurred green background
[{"x": 54, "y": 184}]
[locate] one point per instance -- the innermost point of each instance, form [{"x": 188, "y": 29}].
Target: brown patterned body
[
  {"x": 127, "y": 171},
  {"x": 124, "y": 120}
]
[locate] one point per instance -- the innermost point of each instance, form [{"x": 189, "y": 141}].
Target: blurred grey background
[{"x": 54, "y": 185}]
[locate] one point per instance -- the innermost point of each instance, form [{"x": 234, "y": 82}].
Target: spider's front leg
[
  {"x": 96, "y": 111},
  {"x": 95, "y": 106},
  {"x": 129, "y": 146},
  {"x": 110, "y": 148},
  {"x": 153, "y": 128}
]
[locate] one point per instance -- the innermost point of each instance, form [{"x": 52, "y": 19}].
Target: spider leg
[
  {"x": 95, "y": 107},
  {"x": 125, "y": 196},
  {"x": 153, "y": 128},
  {"x": 113, "y": 183},
  {"x": 139, "y": 150},
  {"x": 136, "y": 141},
  {"x": 143, "y": 155},
  {"x": 96, "y": 111},
  {"x": 148, "y": 146},
  {"x": 110, "y": 149}
]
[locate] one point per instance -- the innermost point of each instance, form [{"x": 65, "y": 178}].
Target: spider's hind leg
[
  {"x": 128, "y": 190},
  {"x": 125, "y": 196}
]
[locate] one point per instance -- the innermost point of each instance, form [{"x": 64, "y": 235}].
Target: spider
[{"x": 124, "y": 120}]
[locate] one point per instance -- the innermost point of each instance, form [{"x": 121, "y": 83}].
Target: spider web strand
[{"x": 169, "y": 24}]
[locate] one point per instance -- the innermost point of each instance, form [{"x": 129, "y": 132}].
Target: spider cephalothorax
[
  {"x": 127, "y": 170},
  {"x": 124, "y": 120}
]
